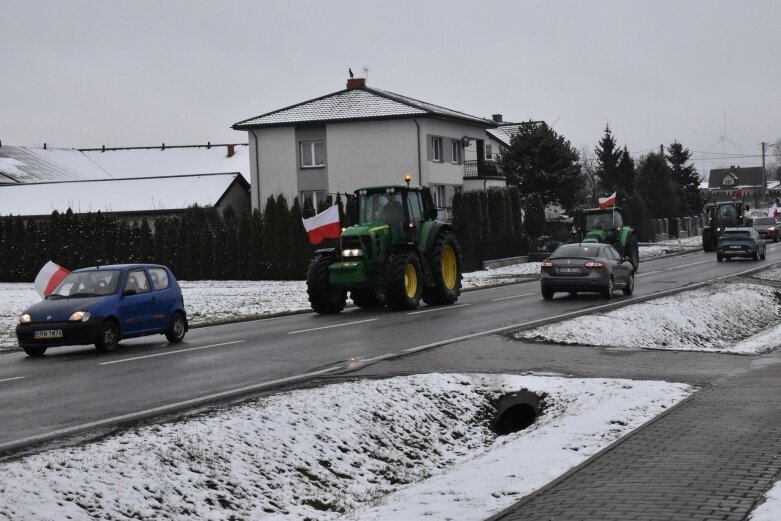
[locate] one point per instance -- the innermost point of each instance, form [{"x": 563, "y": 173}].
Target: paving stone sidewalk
[{"x": 710, "y": 458}]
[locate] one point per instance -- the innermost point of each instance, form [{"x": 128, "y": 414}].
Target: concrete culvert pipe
[{"x": 515, "y": 412}]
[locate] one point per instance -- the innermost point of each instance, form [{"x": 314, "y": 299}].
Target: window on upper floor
[
  {"x": 456, "y": 148},
  {"x": 312, "y": 154},
  {"x": 436, "y": 147}
]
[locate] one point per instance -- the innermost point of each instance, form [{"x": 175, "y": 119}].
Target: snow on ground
[
  {"x": 726, "y": 318},
  {"x": 770, "y": 510},
  {"x": 403, "y": 448}
]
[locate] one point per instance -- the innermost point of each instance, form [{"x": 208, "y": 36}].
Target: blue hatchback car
[{"x": 103, "y": 305}]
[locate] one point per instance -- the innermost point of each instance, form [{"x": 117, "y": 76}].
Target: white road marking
[
  {"x": 444, "y": 308},
  {"x": 514, "y": 296},
  {"x": 11, "y": 379},
  {"x": 333, "y": 325},
  {"x": 166, "y": 353},
  {"x": 645, "y": 274},
  {"x": 163, "y": 408},
  {"x": 688, "y": 265}
]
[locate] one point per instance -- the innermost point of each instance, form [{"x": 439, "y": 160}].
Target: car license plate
[
  {"x": 735, "y": 247},
  {"x": 569, "y": 270},
  {"x": 44, "y": 334}
]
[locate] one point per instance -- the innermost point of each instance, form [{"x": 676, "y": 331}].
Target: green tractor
[
  {"x": 724, "y": 214},
  {"x": 396, "y": 255},
  {"x": 607, "y": 225}
]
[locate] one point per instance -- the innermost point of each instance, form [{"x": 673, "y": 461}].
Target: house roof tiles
[{"x": 356, "y": 104}]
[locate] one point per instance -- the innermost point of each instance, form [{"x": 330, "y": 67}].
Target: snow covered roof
[
  {"x": 504, "y": 133},
  {"x": 36, "y": 165},
  {"x": 359, "y": 103},
  {"x": 144, "y": 194}
]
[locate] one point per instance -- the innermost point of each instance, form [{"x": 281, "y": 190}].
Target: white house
[{"x": 363, "y": 136}]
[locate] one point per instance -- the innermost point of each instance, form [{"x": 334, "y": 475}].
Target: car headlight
[
  {"x": 79, "y": 316},
  {"x": 25, "y": 319},
  {"x": 355, "y": 252}
]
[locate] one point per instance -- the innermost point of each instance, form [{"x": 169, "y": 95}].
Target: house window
[
  {"x": 436, "y": 146},
  {"x": 456, "y": 147},
  {"x": 314, "y": 196},
  {"x": 489, "y": 152},
  {"x": 438, "y": 192},
  {"x": 312, "y": 154}
]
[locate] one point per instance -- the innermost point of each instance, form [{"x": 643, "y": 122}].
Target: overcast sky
[{"x": 135, "y": 73}]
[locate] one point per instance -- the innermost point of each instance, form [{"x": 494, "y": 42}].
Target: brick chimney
[
  {"x": 354, "y": 83},
  {"x": 497, "y": 118},
  {"x": 231, "y": 150}
]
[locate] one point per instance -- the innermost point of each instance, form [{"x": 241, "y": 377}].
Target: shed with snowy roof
[
  {"x": 134, "y": 198},
  {"x": 363, "y": 136}
]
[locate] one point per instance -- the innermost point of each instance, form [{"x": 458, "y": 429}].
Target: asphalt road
[{"x": 75, "y": 390}]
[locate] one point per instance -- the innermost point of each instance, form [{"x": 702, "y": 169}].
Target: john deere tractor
[
  {"x": 396, "y": 255},
  {"x": 607, "y": 225},
  {"x": 724, "y": 214}
]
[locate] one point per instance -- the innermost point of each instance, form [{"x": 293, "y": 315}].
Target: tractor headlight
[
  {"x": 25, "y": 319},
  {"x": 352, "y": 252},
  {"x": 79, "y": 316}
]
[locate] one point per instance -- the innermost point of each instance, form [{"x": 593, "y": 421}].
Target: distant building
[
  {"x": 133, "y": 199},
  {"x": 363, "y": 136}
]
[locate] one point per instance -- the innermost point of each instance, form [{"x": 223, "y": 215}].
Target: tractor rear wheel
[
  {"x": 367, "y": 298},
  {"x": 403, "y": 281},
  {"x": 707, "y": 240},
  {"x": 323, "y": 296},
  {"x": 444, "y": 258}
]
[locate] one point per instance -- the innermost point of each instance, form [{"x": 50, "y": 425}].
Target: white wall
[
  {"x": 276, "y": 160},
  {"x": 445, "y": 172},
  {"x": 371, "y": 153}
]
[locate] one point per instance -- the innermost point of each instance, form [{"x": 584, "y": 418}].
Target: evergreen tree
[
  {"x": 282, "y": 239},
  {"x": 686, "y": 178},
  {"x": 300, "y": 251},
  {"x": 242, "y": 247},
  {"x": 270, "y": 240},
  {"x": 656, "y": 187},
  {"x": 534, "y": 222},
  {"x": 541, "y": 161},
  {"x": 625, "y": 176},
  {"x": 255, "y": 269},
  {"x": 608, "y": 157}
]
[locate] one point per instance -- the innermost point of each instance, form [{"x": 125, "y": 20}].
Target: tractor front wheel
[
  {"x": 444, "y": 257},
  {"x": 323, "y": 296},
  {"x": 403, "y": 281}
]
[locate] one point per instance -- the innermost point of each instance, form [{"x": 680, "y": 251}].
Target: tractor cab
[{"x": 402, "y": 208}]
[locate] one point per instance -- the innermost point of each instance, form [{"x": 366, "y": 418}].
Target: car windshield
[
  {"x": 736, "y": 235},
  {"x": 576, "y": 250},
  {"x": 765, "y": 221},
  {"x": 82, "y": 284}
]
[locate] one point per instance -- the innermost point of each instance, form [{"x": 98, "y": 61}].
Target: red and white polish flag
[
  {"x": 607, "y": 202},
  {"x": 324, "y": 225},
  {"x": 49, "y": 278}
]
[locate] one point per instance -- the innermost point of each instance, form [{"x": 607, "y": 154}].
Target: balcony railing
[{"x": 480, "y": 169}]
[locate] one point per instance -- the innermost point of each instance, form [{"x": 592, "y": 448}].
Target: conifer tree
[
  {"x": 255, "y": 270},
  {"x": 270, "y": 239},
  {"x": 656, "y": 187},
  {"x": 534, "y": 221},
  {"x": 242, "y": 247},
  {"x": 686, "y": 179},
  {"x": 608, "y": 156}
]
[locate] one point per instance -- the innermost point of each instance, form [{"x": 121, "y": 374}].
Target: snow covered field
[{"x": 402, "y": 448}]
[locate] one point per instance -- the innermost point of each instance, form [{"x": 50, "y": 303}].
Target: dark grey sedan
[{"x": 586, "y": 267}]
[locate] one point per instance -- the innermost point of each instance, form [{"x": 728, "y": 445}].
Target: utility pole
[
  {"x": 764, "y": 176},
  {"x": 661, "y": 150}
]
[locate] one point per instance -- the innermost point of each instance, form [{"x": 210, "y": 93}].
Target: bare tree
[{"x": 589, "y": 169}]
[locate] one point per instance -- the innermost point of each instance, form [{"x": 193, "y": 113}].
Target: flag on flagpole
[
  {"x": 607, "y": 202},
  {"x": 49, "y": 278},
  {"x": 324, "y": 225}
]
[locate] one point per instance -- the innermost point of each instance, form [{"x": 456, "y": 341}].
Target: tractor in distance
[
  {"x": 607, "y": 225},
  {"x": 724, "y": 214},
  {"x": 396, "y": 255}
]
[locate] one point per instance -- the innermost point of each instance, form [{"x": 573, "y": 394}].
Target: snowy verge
[
  {"x": 739, "y": 317},
  {"x": 770, "y": 510},
  {"x": 402, "y": 448}
]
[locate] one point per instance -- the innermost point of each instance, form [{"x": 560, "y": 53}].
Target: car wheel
[
  {"x": 630, "y": 285},
  {"x": 608, "y": 291},
  {"x": 108, "y": 337},
  {"x": 34, "y": 351},
  {"x": 547, "y": 294},
  {"x": 755, "y": 256},
  {"x": 177, "y": 328}
]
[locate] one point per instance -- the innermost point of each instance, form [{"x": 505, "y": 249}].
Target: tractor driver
[{"x": 393, "y": 214}]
